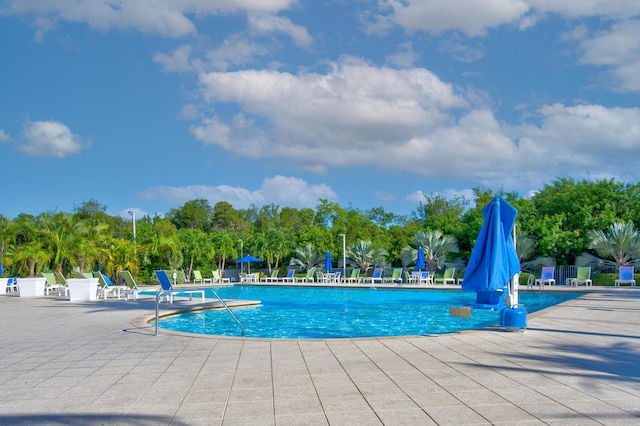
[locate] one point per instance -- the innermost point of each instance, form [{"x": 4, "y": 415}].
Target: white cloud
[
  {"x": 162, "y": 17},
  {"x": 437, "y": 17},
  {"x": 236, "y": 50},
  {"x": 3, "y": 136},
  {"x": 179, "y": 60},
  {"x": 405, "y": 56},
  {"x": 341, "y": 117},
  {"x": 49, "y": 139},
  {"x": 280, "y": 190},
  {"x": 418, "y": 197},
  {"x": 611, "y": 9},
  {"x": 471, "y": 17},
  {"x": 619, "y": 49},
  {"x": 409, "y": 120},
  {"x": 461, "y": 51},
  {"x": 268, "y": 23}
]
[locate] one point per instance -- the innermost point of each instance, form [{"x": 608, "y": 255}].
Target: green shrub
[
  {"x": 609, "y": 279},
  {"x": 524, "y": 278}
]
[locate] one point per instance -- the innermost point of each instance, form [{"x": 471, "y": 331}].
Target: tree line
[{"x": 564, "y": 223}]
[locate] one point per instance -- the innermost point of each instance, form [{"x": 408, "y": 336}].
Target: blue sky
[{"x": 145, "y": 105}]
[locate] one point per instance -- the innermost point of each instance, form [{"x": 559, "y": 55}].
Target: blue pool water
[{"x": 331, "y": 312}]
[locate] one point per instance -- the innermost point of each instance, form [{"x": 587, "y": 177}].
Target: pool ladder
[{"x": 161, "y": 293}]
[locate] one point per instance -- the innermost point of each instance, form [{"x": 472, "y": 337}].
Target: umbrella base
[{"x": 514, "y": 319}]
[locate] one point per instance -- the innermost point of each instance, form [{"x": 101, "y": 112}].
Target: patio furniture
[{"x": 625, "y": 276}]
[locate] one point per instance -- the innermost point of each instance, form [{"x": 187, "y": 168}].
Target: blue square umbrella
[
  {"x": 248, "y": 259},
  {"x": 494, "y": 260},
  {"x": 327, "y": 262}
]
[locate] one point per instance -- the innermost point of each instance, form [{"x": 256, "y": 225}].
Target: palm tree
[
  {"x": 526, "y": 250},
  {"x": 63, "y": 237},
  {"x": 618, "y": 246},
  {"x": 365, "y": 256},
  {"x": 436, "y": 247},
  {"x": 226, "y": 245},
  {"x": 271, "y": 246},
  {"x": 166, "y": 248},
  {"x": 32, "y": 253},
  {"x": 307, "y": 257},
  {"x": 123, "y": 257}
]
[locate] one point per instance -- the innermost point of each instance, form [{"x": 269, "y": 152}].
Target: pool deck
[{"x": 87, "y": 363}]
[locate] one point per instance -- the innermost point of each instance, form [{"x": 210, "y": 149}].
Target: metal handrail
[{"x": 160, "y": 293}]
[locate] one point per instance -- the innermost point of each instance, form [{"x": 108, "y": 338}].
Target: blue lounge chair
[
  {"x": 106, "y": 286},
  {"x": 165, "y": 282},
  {"x": 290, "y": 276},
  {"x": 425, "y": 278},
  {"x": 12, "y": 285},
  {"x": 377, "y": 276},
  {"x": 626, "y": 276},
  {"x": 546, "y": 277}
]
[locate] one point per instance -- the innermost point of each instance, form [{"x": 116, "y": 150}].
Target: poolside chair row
[
  {"x": 583, "y": 276},
  {"x": 399, "y": 275}
]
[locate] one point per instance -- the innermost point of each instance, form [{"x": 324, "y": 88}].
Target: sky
[{"x": 143, "y": 105}]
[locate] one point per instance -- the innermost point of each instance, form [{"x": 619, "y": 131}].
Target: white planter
[
  {"x": 31, "y": 287},
  {"x": 3, "y": 285},
  {"x": 82, "y": 289}
]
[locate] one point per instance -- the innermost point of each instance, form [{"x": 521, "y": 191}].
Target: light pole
[
  {"x": 344, "y": 256},
  {"x": 241, "y": 256},
  {"x": 133, "y": 224}
]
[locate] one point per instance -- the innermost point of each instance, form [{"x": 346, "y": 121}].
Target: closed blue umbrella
[
  {"x": 494, "y": 260},
  {"x": 420, "y": 259},
  {"x": 327, "y": 262}
]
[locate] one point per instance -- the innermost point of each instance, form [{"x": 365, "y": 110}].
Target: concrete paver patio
[{"x": 85, "y": 363}]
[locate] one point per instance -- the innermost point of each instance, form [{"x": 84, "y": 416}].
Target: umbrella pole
[{"x": 515, "y": 281}]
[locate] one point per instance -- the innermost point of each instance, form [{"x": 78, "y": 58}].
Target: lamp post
[
  {"x": 133, "y": 224},
  {"x": 344, "y": 256},
  {"x": 241, "y": 256}
]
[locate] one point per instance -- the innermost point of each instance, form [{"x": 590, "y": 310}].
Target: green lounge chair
[
  {"x": 583, "y": 276},
  {"x": 448, "y": 277},
  {"x": 51, "y": 284},
  {"x": 271, "y": 278},
  {"x": 396, "y": 276},
  {"x": 132, "y": 287},
  {"x": 355, "y": 276},
  {"x": 197, "y": 277},
  {"x": 308, "y": 277}
]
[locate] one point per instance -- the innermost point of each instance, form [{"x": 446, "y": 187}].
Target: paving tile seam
[
  {"x": 399, "y": 386},
  {"x": 496, "y": 369}
]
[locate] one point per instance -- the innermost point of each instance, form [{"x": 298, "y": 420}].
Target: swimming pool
[{"x": 333, "y": 312}]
